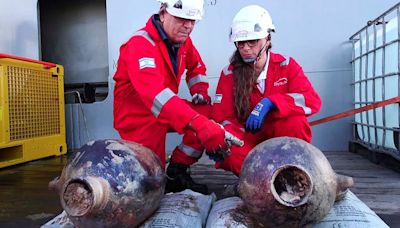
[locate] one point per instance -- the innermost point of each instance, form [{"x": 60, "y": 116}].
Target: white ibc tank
[{"x": 376, "y": 78}]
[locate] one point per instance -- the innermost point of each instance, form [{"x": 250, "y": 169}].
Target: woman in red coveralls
[{"x": 261, "y": 94}]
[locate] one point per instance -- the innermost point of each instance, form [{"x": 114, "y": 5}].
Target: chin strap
[{"x": 259, "y": 53}]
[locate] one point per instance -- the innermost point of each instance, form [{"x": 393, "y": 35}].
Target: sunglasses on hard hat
[{"x": 250, "y": 43}]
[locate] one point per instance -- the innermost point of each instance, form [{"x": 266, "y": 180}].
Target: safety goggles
[{"x": 250, "y": 43}]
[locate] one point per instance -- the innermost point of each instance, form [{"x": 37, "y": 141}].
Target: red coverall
[
  {"x": 146, "y": 105},
  {"x": 291, "y": 92}
]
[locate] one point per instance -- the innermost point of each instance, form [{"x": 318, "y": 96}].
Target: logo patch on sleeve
[
  {"x": 147, "y": 63},
  {"x": 217, "y": 98}
]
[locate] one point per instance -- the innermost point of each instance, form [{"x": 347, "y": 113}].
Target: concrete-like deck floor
[{"x": 25, "y": 200}]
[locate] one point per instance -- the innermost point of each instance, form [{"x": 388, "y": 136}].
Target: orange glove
[{"x": 210, "y": 134}]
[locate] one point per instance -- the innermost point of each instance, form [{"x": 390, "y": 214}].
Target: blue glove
[{"x": 256, "y": 118}]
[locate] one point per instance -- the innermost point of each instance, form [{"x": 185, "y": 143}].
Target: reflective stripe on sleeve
[
  {"x": 226, "y": 71},
  {"x": 146, "y": 35},
  {"x": 189, "y": 151},
  {"x": 196, "y": 79},
  {"x": 286, "y": 61},
  {"x": 300, "y": 101},
  {"x": 226, "y": 122},
  {"x": 160, "y": 100}
]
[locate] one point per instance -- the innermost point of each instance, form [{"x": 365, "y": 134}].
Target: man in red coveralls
[
  {"x": 146, "y": 105},
  {"x": 260, "y": 94}
]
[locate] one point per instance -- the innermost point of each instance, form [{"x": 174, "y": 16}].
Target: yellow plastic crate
[{"x": 32, "y": 119}]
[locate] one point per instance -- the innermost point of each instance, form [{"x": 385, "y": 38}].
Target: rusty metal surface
[{"x": 27, "y": 202}]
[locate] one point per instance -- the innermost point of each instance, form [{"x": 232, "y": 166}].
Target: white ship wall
[{"x": 315, "y": 33}]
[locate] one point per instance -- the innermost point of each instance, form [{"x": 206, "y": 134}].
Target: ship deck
[{"x": 27, "y": 202}]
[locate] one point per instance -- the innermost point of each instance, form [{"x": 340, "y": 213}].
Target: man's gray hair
[{"x": 162, "y": 7}]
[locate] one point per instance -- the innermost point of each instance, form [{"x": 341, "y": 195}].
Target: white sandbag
[
  {"x": 60, "y": 221},
  {"x": 228, "y": 212},
  {"x": 350, "y": 212},
  {"x": 181, "y": 209}
]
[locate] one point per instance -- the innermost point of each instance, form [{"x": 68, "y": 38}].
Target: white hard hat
[
  {"x": 188, "y": 9},
  {"x": 251, "y": 23}
]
